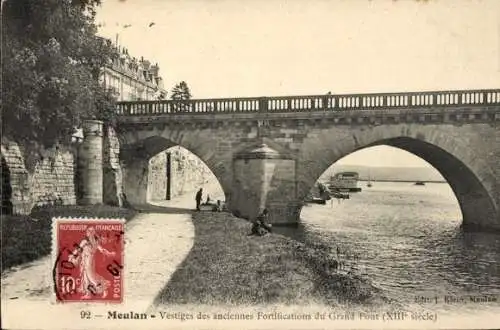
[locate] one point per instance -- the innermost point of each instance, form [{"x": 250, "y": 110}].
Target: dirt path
[{"x": 155, "y": 244}]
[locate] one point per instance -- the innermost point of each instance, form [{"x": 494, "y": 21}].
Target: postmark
[{"x": 88, "y": 255}]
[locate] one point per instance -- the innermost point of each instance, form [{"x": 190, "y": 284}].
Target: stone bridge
[{"x": 269, "y": 151}]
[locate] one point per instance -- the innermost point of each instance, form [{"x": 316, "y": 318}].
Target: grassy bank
[
  {"x": 226, "y": 266},
  {"x": 27, "y": 238}
]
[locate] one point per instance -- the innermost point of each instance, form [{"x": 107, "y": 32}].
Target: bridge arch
[
  {"x": 446, "y": 148},
  {"x": 139, "y": 146}
]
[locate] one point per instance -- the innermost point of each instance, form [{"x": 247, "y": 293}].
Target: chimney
[
  {"x": 146, "y": 64},
  {"x": 154, "y": 70}
]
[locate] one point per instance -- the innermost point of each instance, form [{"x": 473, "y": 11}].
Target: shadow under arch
[
  {"x": 135, "y": 158},
  {"x": 6, "y": 192},
  {"x": 477, "y": 206}
]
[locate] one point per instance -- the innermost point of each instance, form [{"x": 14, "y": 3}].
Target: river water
[{"x": 407, "y": 239}]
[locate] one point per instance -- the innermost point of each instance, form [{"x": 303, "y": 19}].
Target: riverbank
[
  {"x": 228, "y": 267},
  {"x": 28, "y": 238}
]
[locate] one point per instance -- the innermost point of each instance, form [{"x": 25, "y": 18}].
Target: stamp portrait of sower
[{"x": 91, "y": 282}]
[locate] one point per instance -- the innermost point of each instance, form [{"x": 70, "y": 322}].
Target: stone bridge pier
[{"x": 265, "y": 178}]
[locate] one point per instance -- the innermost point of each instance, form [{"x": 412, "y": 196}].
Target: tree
[
  {"x": 160, "y": 95},
  {"x": 52, "y": 61},
  {"x": 181, "y": 93}
]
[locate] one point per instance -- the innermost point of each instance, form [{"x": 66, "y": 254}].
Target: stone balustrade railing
[{"x": 334, "y": 102}]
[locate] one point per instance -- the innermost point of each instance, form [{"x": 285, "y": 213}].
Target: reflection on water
[{"x": 407, "y": 239}]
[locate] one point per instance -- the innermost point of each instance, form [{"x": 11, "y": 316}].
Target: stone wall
[
  {"x": 188, "y": 173},
  {"x": 53, "y": 176},
  {"x": 157, "y": 177},
  {"x": 44, "y": 178},
  {"x": 112, "y": 170}
]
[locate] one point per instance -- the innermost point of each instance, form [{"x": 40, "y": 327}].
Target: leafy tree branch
[{"x": 52, "y": 62}]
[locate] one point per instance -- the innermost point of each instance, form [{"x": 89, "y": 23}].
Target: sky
[{"x": 244, "y": 48}]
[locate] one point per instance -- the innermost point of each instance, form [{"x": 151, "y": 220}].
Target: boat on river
[
  {"x": 344, "y": 182},
  {"x": 319, "y": 194},
  {"x": 340, "y": 195}
]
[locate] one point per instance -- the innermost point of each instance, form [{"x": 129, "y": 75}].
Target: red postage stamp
[{"x": 88, "y": 259}]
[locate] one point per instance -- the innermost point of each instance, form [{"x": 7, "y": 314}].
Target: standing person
[{"x": 198, "y": 198}]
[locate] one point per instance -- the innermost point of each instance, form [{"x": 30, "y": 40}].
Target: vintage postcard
[{"x": 237, "y": 164}]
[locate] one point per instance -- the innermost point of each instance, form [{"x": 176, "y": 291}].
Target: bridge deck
[{"x": 284, "y": 104}]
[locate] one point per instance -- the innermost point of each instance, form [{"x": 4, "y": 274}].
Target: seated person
[
  {"x": 217, "y": 207},
  {"x": 260, "y": 227}
]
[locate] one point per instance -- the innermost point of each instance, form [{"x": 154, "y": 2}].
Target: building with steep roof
[{"x": 134, "y": 79}]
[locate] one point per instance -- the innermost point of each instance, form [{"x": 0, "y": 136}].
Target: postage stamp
[{"x": 88, "y": 259}]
